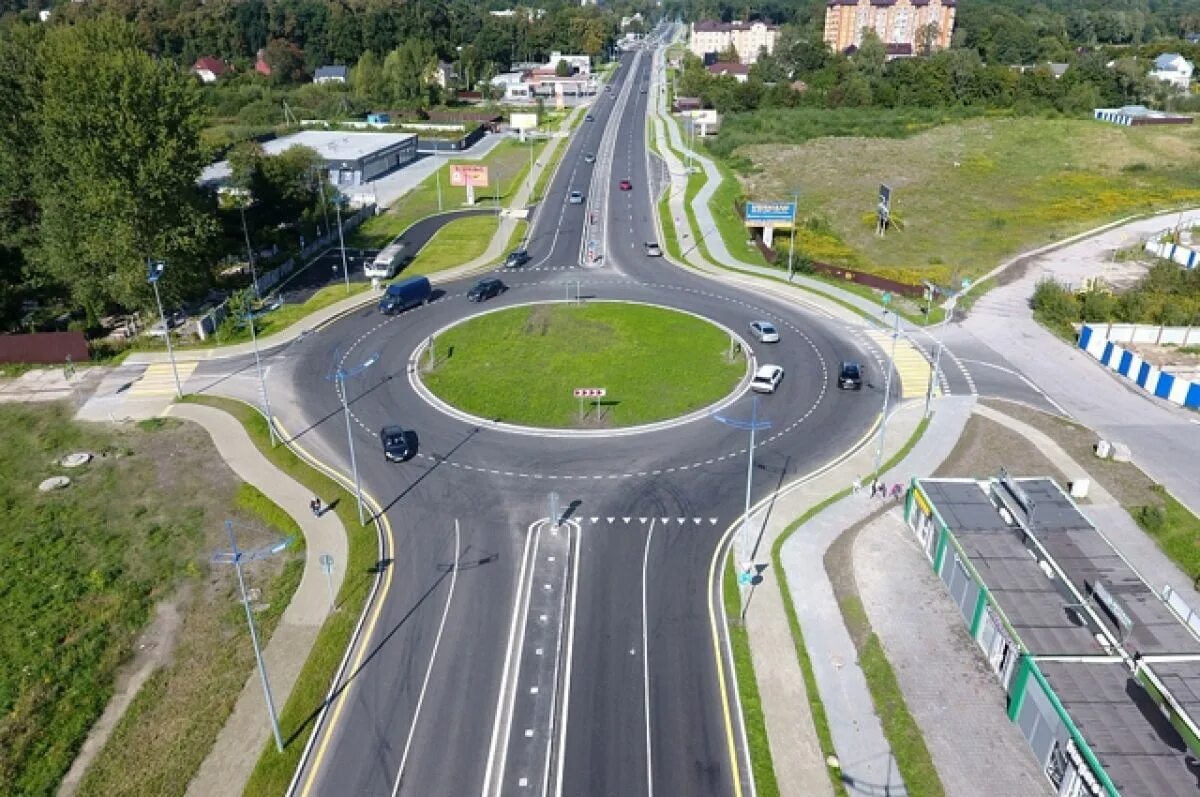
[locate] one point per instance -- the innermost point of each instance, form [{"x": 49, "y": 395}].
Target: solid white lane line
[
  {"x": 432, "y": 658},
  {"x": 503, "y": 706},
  {"x": 646, "y": 665},
  {"x": 556, "y": 694},
  {"x": 570, "y": 655}
]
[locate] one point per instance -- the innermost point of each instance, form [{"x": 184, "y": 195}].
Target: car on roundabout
[
  {"x": 516, "y": 258},
  {"x": 766, "y": 379},
  {"x": 396, "y": 442},
  {"x": 764, "y": 331},
  {"x": 849, "y": 375},
  {"x": 485, "y": 289}
]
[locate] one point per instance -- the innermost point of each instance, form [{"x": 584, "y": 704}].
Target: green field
[
  {"x": 507, "y": 163},
  {"x": 521, "y": 365},
  {"x": 85, "y": 567},
  {"x": 967, "y": 194},
  {"x": 460, "y": 241}
]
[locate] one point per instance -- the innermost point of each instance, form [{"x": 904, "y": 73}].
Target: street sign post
[
  {"x": 327, "y": 568},
  {"x": 584, "y": 393}
]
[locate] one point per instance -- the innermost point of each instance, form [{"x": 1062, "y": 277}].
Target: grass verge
[
  {"x": 274, "y": 770},
  {"x": 761, "y": 763},
  {"x": 654, "y": 364},
  {"x": 816, "y": 706},
  {"x": 459, "y": 241}
]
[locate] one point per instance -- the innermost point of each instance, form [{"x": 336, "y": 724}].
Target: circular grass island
[{"x": 522, "y": 365}]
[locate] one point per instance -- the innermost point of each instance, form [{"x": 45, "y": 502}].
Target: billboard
[
  {"x": 469, "y": 175},
  {"x": 770, "y": 214},
  {"x": 885, "y": 200},
  {"x": 524, "y": 121}
]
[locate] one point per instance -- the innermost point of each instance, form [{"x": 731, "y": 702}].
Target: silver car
[
  {"x": 766, "y": 379},
  {"x": 765, "y": 331},
  {"x": 576, "y": 198}
]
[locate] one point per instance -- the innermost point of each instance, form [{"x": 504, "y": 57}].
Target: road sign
[
  {"x": 886, "y": 298},
  {"x": 745, "y": 578},
  {"x": 326, "y": 563},
  {"x": 885, "y": 199},
  {"x": 590, "y": 392},
  {"x": 770, "y": 214}
]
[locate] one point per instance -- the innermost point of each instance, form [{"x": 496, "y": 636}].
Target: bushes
[{"x": 1167, "y": 295}]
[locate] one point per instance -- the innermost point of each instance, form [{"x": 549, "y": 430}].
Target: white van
[{"x": 387, "y": 262}]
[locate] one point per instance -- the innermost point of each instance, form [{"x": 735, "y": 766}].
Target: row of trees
[
  {"x": 803, "y": 71},
  {"x": 99, "y": 157},
  {"x": 300, "y": 35}
]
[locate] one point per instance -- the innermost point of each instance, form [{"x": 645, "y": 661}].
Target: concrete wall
[
  {"x": 1129, "y": 365},
  {"x": 1184, "y": 256}
]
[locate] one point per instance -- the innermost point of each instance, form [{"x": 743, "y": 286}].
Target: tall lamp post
[
  {"x": 340, "y": 376},
  {"x": 262, "y": 382},
  {"x": 249, "y": 249},
  {"x": 154, "y": 271},
  {"x": 754, "y": 425},
  {"x": 935, "y": 374},
  {"x": 792, "y": 239},
  {"x": 337, "y": 206},
  {"x": 887, "y": 384},
  {"x": 234, "y": 556}
]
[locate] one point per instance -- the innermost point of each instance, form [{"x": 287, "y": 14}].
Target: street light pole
[
  {"x": 753, "y": 425},
  {"x": 340, "y": 376},
  {"x": 437, "y": 176},
  {"x": 234, "y": 556},
  {"x": 342, "y": 242},
  {"x": 887, "y": 389},
  {"x": 262, "y": 382},
  {"x": 249, "y": 250},
  {"x": 792, "y": 240},
  {"x": 155, "y": 269}
]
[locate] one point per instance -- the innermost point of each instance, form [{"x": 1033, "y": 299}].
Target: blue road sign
[
  {"x": 745, "y": 578},
  {"x": 775, "y": 213}
]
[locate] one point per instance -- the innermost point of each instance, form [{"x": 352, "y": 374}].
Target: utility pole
[
  {"x": 249, "y": 249},
  {"x": 337, "y": 205},
  {"x": 887, "y": 389},
  {"x": 340, "y": 375},
  {"x": 792, "y": 240},
  {"x": 155, "y": 269}
]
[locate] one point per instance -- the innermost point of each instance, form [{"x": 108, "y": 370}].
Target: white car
[
  {"x": 765, "y": 331},
  {"x": 766, "y": 379},
  {"x": 575, "y": 198},
  {"x": 653, "y": 249},
  {"x": 589, "y": 158}
]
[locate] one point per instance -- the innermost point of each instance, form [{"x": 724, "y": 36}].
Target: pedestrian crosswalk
[
  {"x": 682, "y": 521},
  {"x": 911, "y": 365},
  {"x": 158, "y": 380}
]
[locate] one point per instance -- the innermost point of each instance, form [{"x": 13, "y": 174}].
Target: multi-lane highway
[{"x": 502, "y": 653}]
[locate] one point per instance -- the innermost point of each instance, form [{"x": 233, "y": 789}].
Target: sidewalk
[
  {"x": 233, "y": 756},
  {"x": 495, "y": 251}
]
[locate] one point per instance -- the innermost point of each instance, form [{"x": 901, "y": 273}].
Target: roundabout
[{"x": 545, "y": 366}]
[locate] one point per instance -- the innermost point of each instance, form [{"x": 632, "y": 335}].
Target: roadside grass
[
  {"x": 287, "y": 315},
  {"x": 517, "y": 236},
  {"x": 765, "y": 784},
  {"x": 815, "y": 704},
  {"x": 521, "y": 365},
  {"x": 507, "y": 165},
  {"x": 87, "y": 565},
  {"x": 971, "y": 193},
  {"x": 168, "y": 730},
  {"x": 460, "y": 241},
  {"x": 1169, "y": 523},
  {"x": 274, "y": 770}
]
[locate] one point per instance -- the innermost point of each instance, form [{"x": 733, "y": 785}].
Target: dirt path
[{"x": 154, "y": 649}]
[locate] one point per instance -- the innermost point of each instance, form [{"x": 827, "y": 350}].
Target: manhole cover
[
  {"x": 76, "y": 459},
  {"x": 54, "y": 483}
]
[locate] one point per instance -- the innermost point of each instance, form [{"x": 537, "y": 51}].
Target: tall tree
[
  {"x": 20, "y": 97},
  {"x": 118, "y": 163},
  {"x": 366, "y": 77}
]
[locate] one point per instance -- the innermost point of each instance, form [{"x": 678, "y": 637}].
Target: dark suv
[
  {"x": 485, "y": 289},
  {"x": 517, "y": 257},
  {"x": 395, "y": 442},
  {"x": 850, "y": 376}
]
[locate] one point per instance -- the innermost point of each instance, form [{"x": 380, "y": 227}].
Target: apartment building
[
  {"x": 748, "y": 38},
  {"x": 917, "y": 23}
]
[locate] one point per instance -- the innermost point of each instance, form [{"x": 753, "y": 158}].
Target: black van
[{"x": 402, "y": 295}]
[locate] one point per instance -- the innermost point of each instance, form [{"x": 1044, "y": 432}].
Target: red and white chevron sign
[{"x": 590, "y": 392}]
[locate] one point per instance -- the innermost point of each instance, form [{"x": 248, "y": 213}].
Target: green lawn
[
  {"x": 507, "y": 163},
  {"x": 761, "y": 762},
  {"x": 460, "y": 241},
  {"x": 969, "y": 194},
  {"x": 521, "y": 365},
  {"x": 85, "y": 567},
  {"x": 274, "y": 770}
]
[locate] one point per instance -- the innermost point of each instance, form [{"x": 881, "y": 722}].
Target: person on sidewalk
[
  {"x": 881, "y": 489},
  {"x": 856, "y": 486},
  {"x": 897, "y": 492},
  {"x": 316, "y": 506}
]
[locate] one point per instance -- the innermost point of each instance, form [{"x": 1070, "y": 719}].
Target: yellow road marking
[{"x": 159, "y": 380}]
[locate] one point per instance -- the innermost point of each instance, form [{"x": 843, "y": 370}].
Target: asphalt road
[{"x": 583, "y": 663}]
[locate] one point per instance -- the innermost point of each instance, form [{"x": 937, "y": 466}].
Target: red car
[{"x": 625, "y": 185}]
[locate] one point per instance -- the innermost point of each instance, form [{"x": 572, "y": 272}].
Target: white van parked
[{"x": 387, "y": 262}]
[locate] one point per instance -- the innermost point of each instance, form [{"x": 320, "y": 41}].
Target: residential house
[
  {"x": 1173, "y": 68},
  {"x": 747, "y": 38},
  {"x": 894, "y": 21},
  {"x": 739, "y": 72},
  {"x": 627, "y": 21},
  {"x": 513, "y": 85},
  {"x": 444, "y": 74},
  {"x": 579, "y": 64},
  {"x": 208, "y": 68},
  {"x": 331, "y": 74}
]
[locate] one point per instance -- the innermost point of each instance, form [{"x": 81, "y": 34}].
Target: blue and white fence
[
  {"x": 1127, "y": 364},
  {"x": 1183, "y": 255}
]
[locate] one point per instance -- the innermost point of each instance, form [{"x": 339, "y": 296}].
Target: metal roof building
[
  {"x": 1102, "y": 673},
  {"x": 350, "y": 158}
]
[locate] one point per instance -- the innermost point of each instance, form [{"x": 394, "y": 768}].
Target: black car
[
  {"x": 517, "y": 257},
  {"x": 850, "y": 376},
  {"x": 589, "y": 118},
  {"x": 395, "y": 442},
  {"x": 485, "y": 289}
]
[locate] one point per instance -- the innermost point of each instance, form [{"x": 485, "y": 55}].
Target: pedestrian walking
[
  {"x": 897, "y": 491},
  {"x": 882, "y": 489},
  {"x": 856, "y": 486},
  {"x": 316, "y": 506},
  {"x": 874, "y": 488}
]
